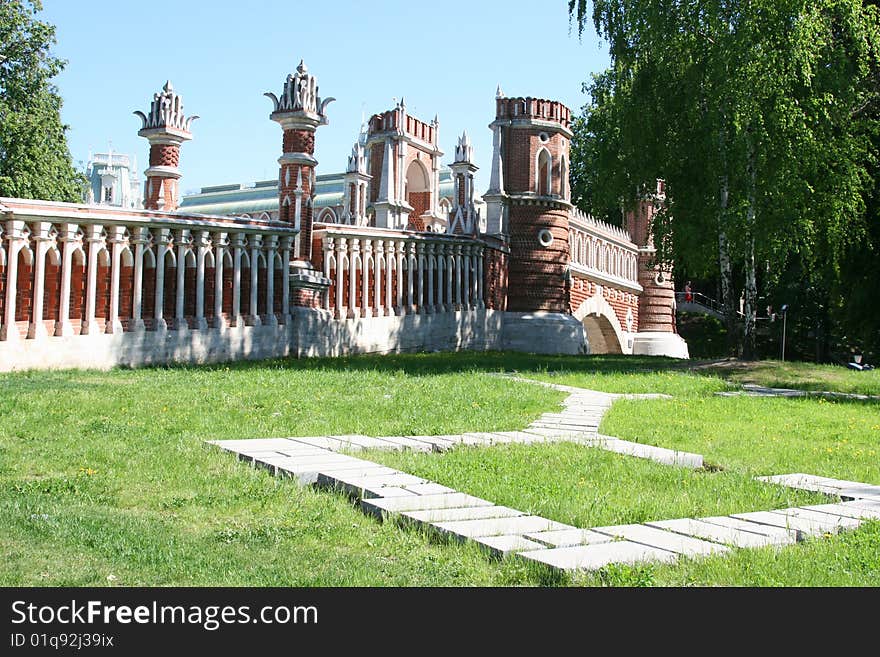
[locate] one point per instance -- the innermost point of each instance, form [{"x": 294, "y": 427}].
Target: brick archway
[{"x": 604, "y": 333}]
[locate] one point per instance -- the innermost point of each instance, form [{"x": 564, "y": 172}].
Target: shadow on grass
[{"x": 424, "y": 364}]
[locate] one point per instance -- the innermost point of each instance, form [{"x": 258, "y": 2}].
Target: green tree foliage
[
  {"x": 34, "y": 158},
  {"x": 758, "y": 113}
]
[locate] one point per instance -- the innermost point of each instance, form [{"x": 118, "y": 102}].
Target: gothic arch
[
  {"x": 328, "y": 216},
  {"x": 543, "y": 172},
  {"x": 604, "y": 332}
]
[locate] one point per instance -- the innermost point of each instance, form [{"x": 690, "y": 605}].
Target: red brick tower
[
  {"x": 299, "y": 111},
  {"x": 404, "y": 162},
  {"x": 166, "y": 128},
  {"x": 656, "y": 334},
  {"x": 528, "y": 199}
]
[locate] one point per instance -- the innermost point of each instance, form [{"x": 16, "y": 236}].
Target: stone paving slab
[
  {"x": 838, "y": 521},
  {"x": 568, "y": 537},
  {"x": 253, "y": 457},
  {"x": 251, "y": 444},
  {"x": 366, "y": 484},
  {"x": 657, "y": 454},
  {"x": 309, "y": 459},
  {"x": 406, "y": 442},
  {"x": 593, "y": 557},
  {"x": 840, "y": 487},
  {"x": 503, "y": 545},
  {"x": 429, "y": 488},
  {"x": 663, "y": 540},
  {"x": 305, "y": 474},
  {"x": 423, "y": 503},
  {"x": 864, "y": 504},
  {"x": 805, "y": 526},
  {"x": 553, "y": 435},
  {"x": 498, "y": 526},
  {"x": 846, "y": 510},
  {"x": 356, "y": 442},
  {"x": 322, "y": 441},
  {"x": 717, "y": 533},
  {"x": 437, "y": 443},
  {"x": 463, "y": 513},
  {"x": 782, "y": 535}
]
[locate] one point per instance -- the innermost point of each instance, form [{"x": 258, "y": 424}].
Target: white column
[
  {"x": 446, "y": 279},
  {"x": 341, "y": 248},
  {"x": 466, "y": 273},
  {"x": 410, "y": 277},
  {"x": 42, "y": 241},
  {"x": 481, "y": 254},
  {"x": 329, "y": 253},
  {"x": 401, "y": 254},
  {"x": 390, "y": 259},
  {"x": 203, "y": 242},
  {"x": 141, "y": 238},
  {"x": 366, "y": 254},
  {"x": 432, "y": 263},
  {"x": 237, "y": 244},
  {"x": 164, "y": 244},
  {"x": 117, "y": 240},
  {"x": 285, "y": 279},
  {"x": 67, "y": 237},
  {"x": 17, "y": 241},
  {"x": 355, "y": 251},
  {"x": 219, "y": 240},
  {"x": 95, "y": 241},
  {"x": 271, "y": 248},
  {"x": 378, "y": 260},
  {"x": 456, "y": 254},
  {"x": 420, "y": 267},
  {"x": 256, "y": 243},
  {"x": 449, "y": 261},
  {"x": 182, "y": 245}
]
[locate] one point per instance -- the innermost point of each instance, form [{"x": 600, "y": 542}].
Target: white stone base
[
  {"x": 308, "y": 333},
  {"x": 659, "y": 344},
  {"x": 543, "y": 333},
  {"x": 106, "y": 350},
  {"x": 318, "y": 335}
]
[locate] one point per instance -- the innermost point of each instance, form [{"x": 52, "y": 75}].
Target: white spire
[{"x": 499, "y": 93}]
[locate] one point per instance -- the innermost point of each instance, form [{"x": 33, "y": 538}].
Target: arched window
[
  {"x": 328, "y": 216},
  {"x": 563, "y": 177},
  {"x": 417, "y": 192},
  {"x": 543, "y": 170}
]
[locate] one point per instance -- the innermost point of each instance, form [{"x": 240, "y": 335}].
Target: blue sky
[{"x": 444, "y": 57}]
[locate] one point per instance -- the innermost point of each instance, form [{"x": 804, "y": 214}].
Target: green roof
[{"x": 262, "y": 196}]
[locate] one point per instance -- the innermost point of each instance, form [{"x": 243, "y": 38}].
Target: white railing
[
  {"x": 601, "y": 250},
  {"x": 69, "y": 269},
  {"x": 376, "y": 272}
]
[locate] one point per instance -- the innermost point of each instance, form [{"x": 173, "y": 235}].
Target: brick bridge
[{"x": 95, "y": 285}]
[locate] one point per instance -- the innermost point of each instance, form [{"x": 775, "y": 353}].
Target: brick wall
[{"x": 536, "y": 272}]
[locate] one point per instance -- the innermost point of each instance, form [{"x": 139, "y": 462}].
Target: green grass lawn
[
  {"x": 104, "y": 477},
  {"x": 802, "y": 376}
]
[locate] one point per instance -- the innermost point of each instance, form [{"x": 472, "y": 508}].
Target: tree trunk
[
  {"x": 726, "y": 270},
  {"x": 750, "y": 293}
]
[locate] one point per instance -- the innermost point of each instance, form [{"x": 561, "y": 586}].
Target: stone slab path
[
  {"x": 386, "y": 492},
  {"x": 752, "y": 390}
]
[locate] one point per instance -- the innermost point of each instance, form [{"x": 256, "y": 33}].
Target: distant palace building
[
  {"x": 113, "y": 180},
  {"x": 260, "y": 199}
]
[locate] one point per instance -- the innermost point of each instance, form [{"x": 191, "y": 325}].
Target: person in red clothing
[{"x": 688, "y": 292}]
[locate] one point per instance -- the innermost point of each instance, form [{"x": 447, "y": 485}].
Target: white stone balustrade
[
  {"x": 603, "y": 252},
  {"x": 64, "y": 272},
  {"x": 376, "y": 271}
]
